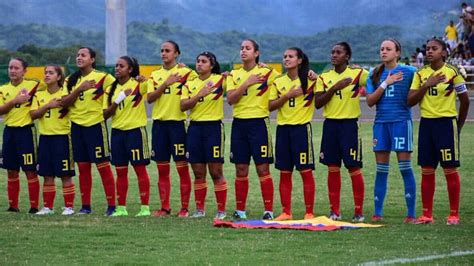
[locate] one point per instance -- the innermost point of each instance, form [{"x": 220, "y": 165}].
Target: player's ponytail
[
  {"x": 132, "y": 63},
  {"x": 378, "y": 70},
  {"x": 303, "y": 68},
  {"x": 74, "y": 77}
]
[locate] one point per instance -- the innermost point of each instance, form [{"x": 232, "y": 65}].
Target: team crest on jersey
[
  {"x": 321, "y": 155},
  {"x": 374, "y": 142},
  {"x": 42, "y": 101}
]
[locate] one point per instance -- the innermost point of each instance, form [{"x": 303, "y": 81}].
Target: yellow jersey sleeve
[{"x": 167, "y": 107}]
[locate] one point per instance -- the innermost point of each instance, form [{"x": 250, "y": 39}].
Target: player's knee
[{"x": 242, "y": 169}]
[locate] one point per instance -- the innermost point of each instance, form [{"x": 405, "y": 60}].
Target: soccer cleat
[
  {"x": 358, "y": 218},
  {"x": 220, "y": 215},
  {"x": 183, "y": 213},
  {"x": 267, "y": 215},
  {"x": 162, "y": 212},
  {"x": 452, "y": 220},
  {"x": 110, "y": 211},
  {"x": 424, "y": 220},
  {"x": 240, "y": 215},
  {"x": 376, "y": 218},
  {"x": 86, "y": 209},
  {"x": 144, "y": 211},
  {"x": 67, "y": 211},
  {"x": 120, "y": 211},
  {"x": 45, "y": 211},
  {"x": 308, "y": 216},
  {"x": 33, "y": 210},
  {"x": 284, "y": 217},
  {"x": 409, "y": 220},
  {"x": 11, "y": 209},
  {"x": 199, "y": 214},
  {"x": 335, "y": 217}
]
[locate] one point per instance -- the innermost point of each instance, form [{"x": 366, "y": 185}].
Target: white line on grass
[{"x": 417, "y": 259}]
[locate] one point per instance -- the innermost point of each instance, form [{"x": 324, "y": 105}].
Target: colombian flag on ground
[{"x": 321, "y": 223}]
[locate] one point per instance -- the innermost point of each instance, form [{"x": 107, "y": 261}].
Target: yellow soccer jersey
[
  {"x": 131, "y": 112},
  {"x": 211, "y": 107},
  {"x": 19, "y": 115},
  {"x": 167, "y": 107},
  {"x": 87, "y": 109},
  {"x": 439, "y": 101},
  {"x": 298, "y": 110},
  {"x": 55, "y": 121},
  {"x": 344, "y": 104},
  {"x": 254, "y": 102}
]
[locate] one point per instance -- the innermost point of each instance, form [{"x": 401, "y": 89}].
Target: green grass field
[{"x": 95, "y": 239}]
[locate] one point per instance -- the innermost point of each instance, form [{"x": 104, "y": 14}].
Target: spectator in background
[
  {"x": 451, "y": 35},
  {"x": 467, "y": 20},
  {"x": 420, "y": 58}
]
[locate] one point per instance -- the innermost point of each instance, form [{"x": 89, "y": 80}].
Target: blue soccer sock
[
  {"x": 380, "y": 188},
  {"x": 410, "y": 186}
]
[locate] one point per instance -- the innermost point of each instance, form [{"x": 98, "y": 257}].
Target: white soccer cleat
[
  {"x": 67, "y": 211},
  {"x": 45, "y": 211}
]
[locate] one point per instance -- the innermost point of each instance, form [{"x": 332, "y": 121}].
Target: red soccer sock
[
  {"x": 286, "y": 186},
  {"x": 334, "y": 188},
  {"x": 164, "y": 184},
  {"x": 309, "y": 189},
  {"x": 143, "y": 183},
  {"x": 69, "y": 192},
  {"x": 266, "y": 185},
  {"x": 454, "y": 189},
  {"x": 49, "y": 193},
  {"x": 200, "y": 191},
  {"x": 122, "y": 184},
  {"x": 358, "y": 190},
  {"x": 33, "y": 189},
  {"x": 241, "y": 191},
  {"x": 85, "y": 182},
  {"x": 184, "y": 183},
  {"x": 13, "y": 188},
  {"x": 427, "y": 189},
  {"x": 220, "y": 189},
  {"x": 108, "y": 182}
]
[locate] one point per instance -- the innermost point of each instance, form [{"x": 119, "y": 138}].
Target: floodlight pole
[{"x": 115, "y": 30}]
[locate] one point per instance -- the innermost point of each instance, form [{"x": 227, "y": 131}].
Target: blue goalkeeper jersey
[{"x": 392, "y": 106}]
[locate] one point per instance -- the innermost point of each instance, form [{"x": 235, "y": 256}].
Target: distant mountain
[{"x": 287, "y": 17}]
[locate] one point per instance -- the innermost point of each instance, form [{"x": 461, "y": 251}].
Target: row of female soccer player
[{"x": 88, "y": 97}]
